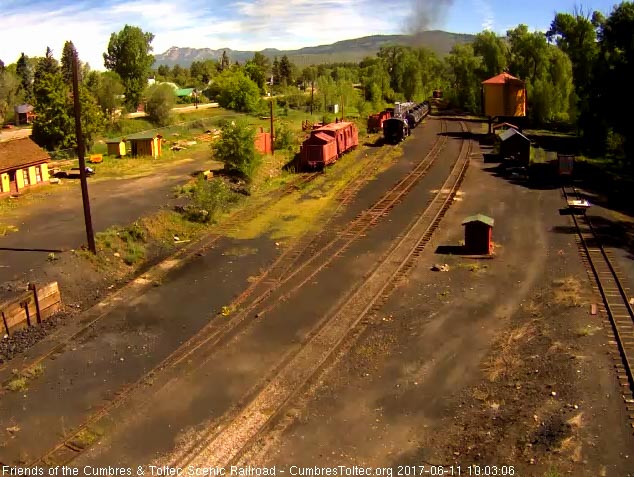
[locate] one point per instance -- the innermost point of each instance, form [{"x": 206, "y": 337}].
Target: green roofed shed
[
  {"x": 479, "y": 218},
  {"x": 478, "y": 234},
  {"x": 184, "y": 92}
]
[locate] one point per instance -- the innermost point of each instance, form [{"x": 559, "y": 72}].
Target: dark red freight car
[
  {"x": 327, "y": 143},
  {"x": 345, "y": 133},
  {"x": 318, "y": 150}
]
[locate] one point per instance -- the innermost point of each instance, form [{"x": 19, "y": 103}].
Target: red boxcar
[
  {"x": 327, "y": 143},
  {"x": 374, "y": 123},
  {"x": 345, "y": 133},
  {"x": 318, "y": 150}
]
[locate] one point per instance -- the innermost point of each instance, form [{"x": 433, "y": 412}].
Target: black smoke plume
[{"x": 427, "y": 15}]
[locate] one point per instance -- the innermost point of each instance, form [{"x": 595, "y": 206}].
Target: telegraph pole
[
  {"x": 81, "y": 150},
  {"x": 272, "y": 130},
  {"x": 312, "y": 96}
]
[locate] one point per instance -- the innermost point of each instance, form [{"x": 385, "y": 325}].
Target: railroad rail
[
  {"x": 66, "y": 451},
  {"x": 227, "y": 442},
  {"x": 613, "y": 293}
]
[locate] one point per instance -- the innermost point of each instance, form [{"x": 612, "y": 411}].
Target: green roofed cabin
[
  {"x": 478, "y": 234},
  {"x": 184, "y": 92},
  {"x": 116, "y": 147},
  {"x": 145, "y": 144}
]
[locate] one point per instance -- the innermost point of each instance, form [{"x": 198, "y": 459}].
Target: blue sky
[{"x": 32, "y": 25}]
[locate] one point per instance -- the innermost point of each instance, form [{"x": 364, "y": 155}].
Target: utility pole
[
  {"x": 312, "y": 96},
  {"x": 342, "y": 108},
  {"x": 81, "y": 150},
  {"x": 272, "y": 130}
]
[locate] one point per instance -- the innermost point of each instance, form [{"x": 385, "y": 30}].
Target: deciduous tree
[
  {"x": 129, "y": 55},
  {"x": 160, "y": 101}
]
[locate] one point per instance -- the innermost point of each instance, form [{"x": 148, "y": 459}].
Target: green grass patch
[
  {"x": 20, "y": 381},
  {"x": 7, "y": 229},
  {"x": 17, "y": 384},
  {"x": 240, "y": 251},
  {"x": 85, "y": 438},
  {"x": 300, "y": 212}
]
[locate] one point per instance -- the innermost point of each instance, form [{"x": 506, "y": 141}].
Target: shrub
[
  {"x": 161, "y": 100},
  {"x": 236, "y": 149},
  {"x": 208, "y": 199},
  {"x": 284, "y": 137}
]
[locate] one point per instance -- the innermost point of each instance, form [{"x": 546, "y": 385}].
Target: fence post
[{"x": 37, "y": 302}]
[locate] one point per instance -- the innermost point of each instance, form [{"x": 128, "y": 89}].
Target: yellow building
[
  {"x": 145, "y": 144},
  {"x": 116, "y": 147},
  {"x": 23, "y": 164},
  {"x": 504, "y": 96}
]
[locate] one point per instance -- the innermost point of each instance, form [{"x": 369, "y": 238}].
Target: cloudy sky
[{"x": 31, "y": 25}]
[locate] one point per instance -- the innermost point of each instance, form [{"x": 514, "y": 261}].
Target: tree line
[{"x": 576, "y": 74}]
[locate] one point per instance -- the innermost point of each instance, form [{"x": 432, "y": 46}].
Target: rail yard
[
  {"x": 478, "y": 366},
  {"x": 404, "y": 251}
]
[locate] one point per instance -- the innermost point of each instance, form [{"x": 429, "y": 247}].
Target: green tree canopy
[
  {"x": 160, "y": 101},
  {"x": 236, "y": 149},
  {"x": 129, "y": 55},
  {"x": 493, "y": 51},
  {"x": 235, "y": 90}
]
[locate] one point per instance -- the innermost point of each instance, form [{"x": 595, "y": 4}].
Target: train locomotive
[{"x": 405, "y": 117}]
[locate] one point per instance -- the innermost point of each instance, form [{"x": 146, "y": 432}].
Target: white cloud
[
  {"x": 486, "y": 10},
  {"x": 253, "y": 25}
]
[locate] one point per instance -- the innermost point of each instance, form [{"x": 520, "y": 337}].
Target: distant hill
[{"x": 342, "y": 51}]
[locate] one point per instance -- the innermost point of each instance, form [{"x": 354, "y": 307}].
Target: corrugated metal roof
[
  {"x": 479, "y": 218},
  {"x": 502, "y": 79},
  {"x": 184, "y": 91},
  {"x": 334, "y": 126},
  {"x": 23, "y": 108},
  {"x": 20, "y": 153},
  {"x": 510, "y": 133},
  {"x": 143, "y": 135}
]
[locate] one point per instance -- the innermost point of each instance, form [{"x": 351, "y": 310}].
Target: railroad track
[
  {"x": 232, "y": 437},
  {"x": 615, "y": 299},
  {"x": 66, "y": 451}
]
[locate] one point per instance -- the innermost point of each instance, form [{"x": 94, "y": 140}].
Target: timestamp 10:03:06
[{"x": 457, "y": 470}]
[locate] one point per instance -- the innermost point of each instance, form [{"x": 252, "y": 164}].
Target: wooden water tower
[{"x": 503, "y": 97}]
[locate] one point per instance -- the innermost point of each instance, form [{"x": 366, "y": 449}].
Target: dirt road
[{"x": 58, "y": 222}]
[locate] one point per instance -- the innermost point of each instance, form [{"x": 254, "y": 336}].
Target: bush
[
  {"x": 161, "y": 100},
  {"x": 234, "y": 90},
  {"x": 236, "y": 149},
  {"x": 284, "y": 137},
  {"x": 208, "y": 199}
]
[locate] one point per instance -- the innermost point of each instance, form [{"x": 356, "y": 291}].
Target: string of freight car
[
  {"x": 238, "y": 432},
  {"x": 210, "y": 332}
]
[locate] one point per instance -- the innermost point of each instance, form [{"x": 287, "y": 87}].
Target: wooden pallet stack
[{"x": 30, "y": 308}]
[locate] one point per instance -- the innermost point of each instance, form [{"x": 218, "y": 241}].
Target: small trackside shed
[
  {"x": 514, "y": 144},
  {"x": 263, "y": 142},
  {"x": 116, "y": 147},
  {"x": 145, "y": 144},
  {"x": 478, "y": 234}
]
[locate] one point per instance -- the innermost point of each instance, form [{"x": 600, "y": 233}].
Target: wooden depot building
[{"x": 23, "y": 164}]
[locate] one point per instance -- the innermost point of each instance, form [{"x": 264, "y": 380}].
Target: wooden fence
[{"x": 30, "y": 308}]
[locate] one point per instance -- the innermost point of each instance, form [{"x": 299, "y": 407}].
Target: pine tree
[
  {"x": 68, "y": 54},
  {"x": 285, "y": 71},
  {"x": 23, "y": 70},
  {"x": 53, "y": 127},
  {"x": 45, "y": 65},
  {"x": 224, "y": 61},
  {"x": 275, "y": 71}
]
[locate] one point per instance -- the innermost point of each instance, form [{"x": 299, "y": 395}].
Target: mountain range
[{"x": 353, "y": 50}]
